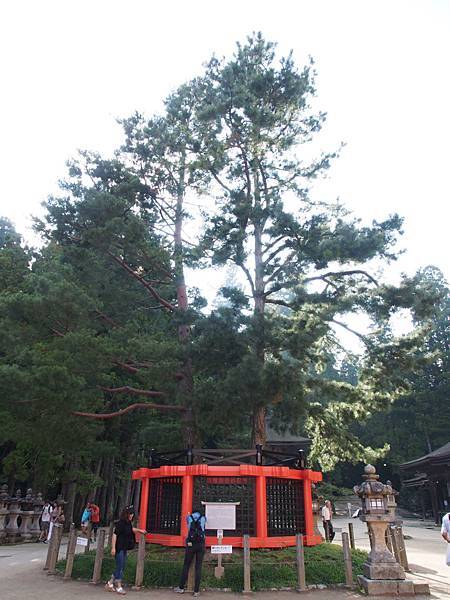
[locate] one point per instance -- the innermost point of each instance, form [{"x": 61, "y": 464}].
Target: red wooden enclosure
[{"x": 276, "y": 502}]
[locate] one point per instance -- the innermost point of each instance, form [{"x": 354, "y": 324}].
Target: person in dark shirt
[
  {"x": 195, "y": 547},
  {"x": 122, "y": 541}
]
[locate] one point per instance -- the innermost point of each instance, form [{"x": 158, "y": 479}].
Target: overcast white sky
[{"x": 69, "y": 68}]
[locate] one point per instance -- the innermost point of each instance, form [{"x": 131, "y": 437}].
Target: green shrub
[{"x": 324, "y": 564}]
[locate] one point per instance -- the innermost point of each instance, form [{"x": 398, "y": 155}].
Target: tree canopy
[{"x": 107, "y": 347}]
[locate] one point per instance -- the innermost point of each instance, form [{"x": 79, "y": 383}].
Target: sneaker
[
  {"x": 196, "y": 594},
  {"x": 109, "y": 586},
  {"x": 120, "y": 590},
  {"x": 179, "y": 590}
]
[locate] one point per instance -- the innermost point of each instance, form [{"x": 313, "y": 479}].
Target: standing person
[
  {"x": 52, "y": 520},
  {"x": 445, "y": 532},
  {"x": 122, "y": 541},
  {"x": 57, "y": 518},
  {"x": 95, "y": 518},
  {"x": 195, "y": 546},
  {"x": 45, "y": 521},
  {"x": 327, "y": 515},
  {"x": 85, "y": 519}
]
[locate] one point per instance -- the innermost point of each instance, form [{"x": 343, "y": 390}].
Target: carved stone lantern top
[
  {"x": 374, "y": 495},
  {"x": 3, "y": 495}
]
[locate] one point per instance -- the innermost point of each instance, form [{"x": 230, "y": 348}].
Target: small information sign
[
  {"x": 222, "y": 549},
  {"x": 82, "y": 541},
  {"x": 221, "y": 515}
]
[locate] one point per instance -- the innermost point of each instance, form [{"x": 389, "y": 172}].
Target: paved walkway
[
  {"x": 425, "y": 548},
  {"x": 22, "y": 577}
]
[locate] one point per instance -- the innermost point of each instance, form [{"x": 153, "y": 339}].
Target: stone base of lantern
[
  {"x": 386, "y": 587},
  {"x": 383, "y": 570}
]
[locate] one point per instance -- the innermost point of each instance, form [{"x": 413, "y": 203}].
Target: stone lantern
[
  {"x": 4, "y": 496},
  {"x": 26, "y": 516},
  {"x": 382, "y": 574},
  {"x": 12, "y": 529},
  {"x": 35, "y": 529}
]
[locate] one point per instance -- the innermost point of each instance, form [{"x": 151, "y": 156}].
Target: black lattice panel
[
  {"x": 164, "y": 510},
  {"x": 285, "y": 512},
  {"x": 230, "y": 489}
]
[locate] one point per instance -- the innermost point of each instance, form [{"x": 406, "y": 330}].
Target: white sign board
[
  {"x": 82, "y": 541},
  {"x": 222, "y": 549},
  {"x": 220, "y": 515}
]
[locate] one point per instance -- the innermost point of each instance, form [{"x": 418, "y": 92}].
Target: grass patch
[{"x": 324, "y": 564}]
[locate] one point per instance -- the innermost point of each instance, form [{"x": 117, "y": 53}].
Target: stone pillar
[
  {"x": 26, "y": 515},
  {"x": 4, "y": 512},
  {"x": 35, "y": 528},
  {"x": 12, "y": 529},
  {"x": 382, "y": 574}
]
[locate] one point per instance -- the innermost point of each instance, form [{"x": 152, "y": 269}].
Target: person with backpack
[
  {"x": 86, "y": 520},
  {"x": 122, "y": 541},
  {"x": 195, "y": 546}
]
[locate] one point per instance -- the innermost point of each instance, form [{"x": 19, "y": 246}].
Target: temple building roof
[{"x": 437, "y": 459}]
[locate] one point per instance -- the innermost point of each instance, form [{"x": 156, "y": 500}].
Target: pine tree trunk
[
  {"x": 186, "y": 382},
  {"x": 69, "y": 492},
  {"x": 111, "y": 493},
  {"x": 259, "y": 411}
]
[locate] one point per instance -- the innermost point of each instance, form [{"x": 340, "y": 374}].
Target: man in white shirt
[
  {"x": 327, "y": 514},
  {"x": 445, "y": 532},
  {"x": 445, "y": 529}
]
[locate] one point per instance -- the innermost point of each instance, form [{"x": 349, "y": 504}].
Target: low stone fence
[{"x": 19, "y": 516}]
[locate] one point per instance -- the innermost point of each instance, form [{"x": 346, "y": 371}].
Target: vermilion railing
[{"x": 275, "y": 501}]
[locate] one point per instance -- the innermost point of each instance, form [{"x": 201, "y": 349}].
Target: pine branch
[
  {"x": 124, "y": 411},
  {"x": 275, "y": 253},
  {"x": 279, "y": 302},
  {"x": 345, "y": 273},
  {"x": 56, "y": 332},
  {"x": 279, "y": 270},
  {"x": 249, "y": 277},
  {"x": 126, "y": 367},
  {"x": 344, "y": 326},
  {"x": 131, "y": 390},
  {"x": 106, "y": 318},
  {"x": 141, "y": 280}
]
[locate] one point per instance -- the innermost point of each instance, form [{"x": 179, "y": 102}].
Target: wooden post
[
  {"x": 57, "y": 532},
  {"x": 387, "y": 537},
  {"x": 219, "y": 570},
  {"x": 140, "y": 564},
  {"x": 88, "y": 534},
  {"x": 71, "y": 548},
  {"x": 49, "y": 553},
  {"x": 300, "y": 554},
  {"x": 110, "y": 533},
  {"x": 351, "y": 533},
  {"x": 347, "y": 559},
  {"x": 72, "y": 528},
  {"x": 402, "y": 548},
  {"x": 100, "y": 552},
  {"x": 394, "y": 544},
  {"x": 247, "y": 576}
]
